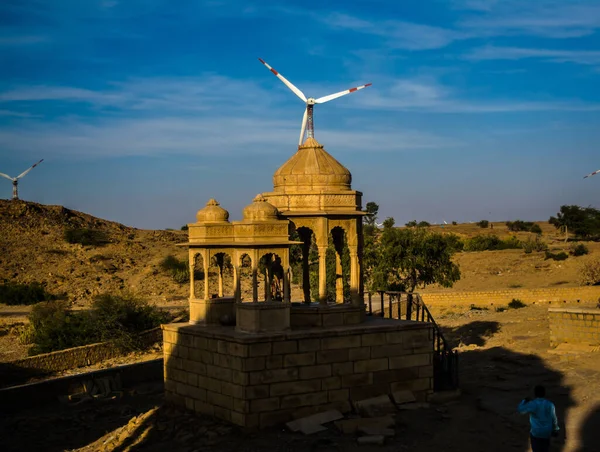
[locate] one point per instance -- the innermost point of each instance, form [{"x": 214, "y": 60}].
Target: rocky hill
[{"x": 33, "y": 248}]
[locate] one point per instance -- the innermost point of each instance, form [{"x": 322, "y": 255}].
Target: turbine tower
[
  {"x": 307, "y": 120},
  {"x": 15, "y": 180}
]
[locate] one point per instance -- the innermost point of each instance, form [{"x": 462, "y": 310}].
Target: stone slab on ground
[
  {"x": 309, "y": 429},
  {"x": 401, "y": 397},
  {"x": 375, "y": 439},
  {"x": 351, "y": 426},
  {"x": 413, "y": 406},
  {"x": 375, "y": 406},
  {"x": 376, "y": 431},
  {"x": 314, "y": 420},
  {"x": 439, "y": 398}
]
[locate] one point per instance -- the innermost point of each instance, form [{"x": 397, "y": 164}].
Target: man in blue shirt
[{"x": 542, "y": 417}]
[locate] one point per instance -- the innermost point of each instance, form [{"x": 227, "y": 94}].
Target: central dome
[{"x": 312, "y": 168}]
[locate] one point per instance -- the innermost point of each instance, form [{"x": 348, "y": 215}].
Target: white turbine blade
[
  {"x": 303, "y": 128},
  {"x": 7, "y": 176},
  {"x": 591, "y": 174},
  {"x": 296, "y": 91},
  {"x": 322, "y": 100},
  {"x": 26, "y": 171}
]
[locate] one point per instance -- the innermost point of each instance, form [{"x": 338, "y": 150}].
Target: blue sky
[{"x": 145, "y": 109}]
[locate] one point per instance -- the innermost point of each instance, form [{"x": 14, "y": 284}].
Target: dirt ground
[{"x": 502, "y": 356}]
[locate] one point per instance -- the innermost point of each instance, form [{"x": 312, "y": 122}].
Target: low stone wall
[
  {"x": 260, "y": 380},
  {"x": 586, "y": 294},
  {"x": 578, "y": 326},
  {"x": 85, "y": 355}
]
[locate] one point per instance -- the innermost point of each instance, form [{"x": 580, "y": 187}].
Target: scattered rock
[
  {"x": 351, "y": 426},
  {"x": 308, "y": 423},
  {"x": 401, "y": 397},
  {"x": 376, "y": 431},
  {"x": 375, "y": 406},
  {"x": 376, "y": 439}
]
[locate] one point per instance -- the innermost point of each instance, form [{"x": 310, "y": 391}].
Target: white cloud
[
  {"x": 22, "y": 40},
  {"x": 397, "y": 34},
  {"x": 588, "y": 57},
  {"x": 545, "y": 18}
]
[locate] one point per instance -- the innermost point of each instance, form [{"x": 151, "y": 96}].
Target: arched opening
[
  {"x": 245, "y": 275},
  {"x": 198, "y": 277},
  {"x": 272, "y": 275},
  {"x": 220, "y": 276},
  {"x": 304, "y": 262},
  {"x": 338, "y": 267}
]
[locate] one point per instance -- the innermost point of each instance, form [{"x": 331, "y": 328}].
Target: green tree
[
  {"x": 372, "y": 209},
  {"x": 582, "y": 221},
  {"x": 415, "y": 257}
]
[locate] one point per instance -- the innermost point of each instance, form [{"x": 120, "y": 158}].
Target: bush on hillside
[
  {"x": 120, "y": 318},
  {"x": 516, "y": 304},
  {"x": 556, "y": 256},
  {"x": 23, "y": 294},
  {"x": 423, "y": 224},
  {"x": 86, "y": 237},
  {"x": 589, "y": 272},
  {"x": 185, "y": 227},
  {"x": 534, "y": 244},
  {"x": 579, "y": 250},
  {"x": 179, "y": 269},
  {"x": 536, "y": 229},
  {"x": 483, "y": 224},
  {"x": 519, "y": 225},
  {"x": 491, "y": 243}
]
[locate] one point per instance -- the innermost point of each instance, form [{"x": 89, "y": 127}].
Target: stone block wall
[
  {"x": 589, "y": 294},
  {"x": 257, "y": 381},
  {"x": 578, "y": 326}
]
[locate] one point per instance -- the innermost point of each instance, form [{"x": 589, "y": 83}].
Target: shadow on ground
[
  {"x": 590, "y": 432},
  {"x": 474, "y": 333},
  {"x": 493, "y": 382}
]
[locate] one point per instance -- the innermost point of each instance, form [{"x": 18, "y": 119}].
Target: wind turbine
[
  {"x": 310, "y": 102},
  {"x": 591, "y": 174},
  {"x": 15, "y": 180}
]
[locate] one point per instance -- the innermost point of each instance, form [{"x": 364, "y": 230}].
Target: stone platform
[{"x": 261, "y": 379}]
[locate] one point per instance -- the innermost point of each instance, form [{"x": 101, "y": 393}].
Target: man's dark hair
[{"x": 539, "y": 391}]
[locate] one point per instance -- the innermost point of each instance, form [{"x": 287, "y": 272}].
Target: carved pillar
[
  {"x": 237, "y": 293},
  {"x": 268, "y": 277},
  {"x": 192, "y": 263},
  {"x": 287, "y": 278},
  {"x": 305, "y": 236},
  {"x": 323, "y": 275},
  {"x": 220, "y": 263},
  {"x": 205, "y": 256},
  {"x": 339, "y": 279},
  {"x": 254, "y": 278},
  {"x": 354, "y": 276},
  {"x": 338, "y": 242}
]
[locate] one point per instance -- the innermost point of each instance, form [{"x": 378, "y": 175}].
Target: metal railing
[{"x": 410, "y": 306}]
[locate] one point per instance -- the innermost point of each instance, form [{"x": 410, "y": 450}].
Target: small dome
[
  {"x": 312, "y": 168},
  {"x": 212, "y": 213},
  {"x": 260, "y": 210}
]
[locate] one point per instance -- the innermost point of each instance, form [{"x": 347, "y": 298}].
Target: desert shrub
[
  {"x": 185, "y": 227},
  {"x": 579, "y": 250},
  {"x": 423, "y": 224},
  {"x": 536, "y": 229},
  {"x": 501, "y": 309},
  {"x": 86, "y": 237},
  {"x": 411, "y": 224},
  {"x": 120, "y": 318},
  {"x": 483, "y": 224},
  {"x": 556, "y": 256},
  {"x": 589, "y": 272},
  {"x": 23, "y": 294},
  {"x": 516, "y": 304},
  {"x": 519, "y": 225},
  {"x": 179, "y": 270},
  {"x": 490, "y": 243},
  {"x": 478, "y": 308},
  {"x": 454, "y": 223},
  {"x": 534, "y": 244}
]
